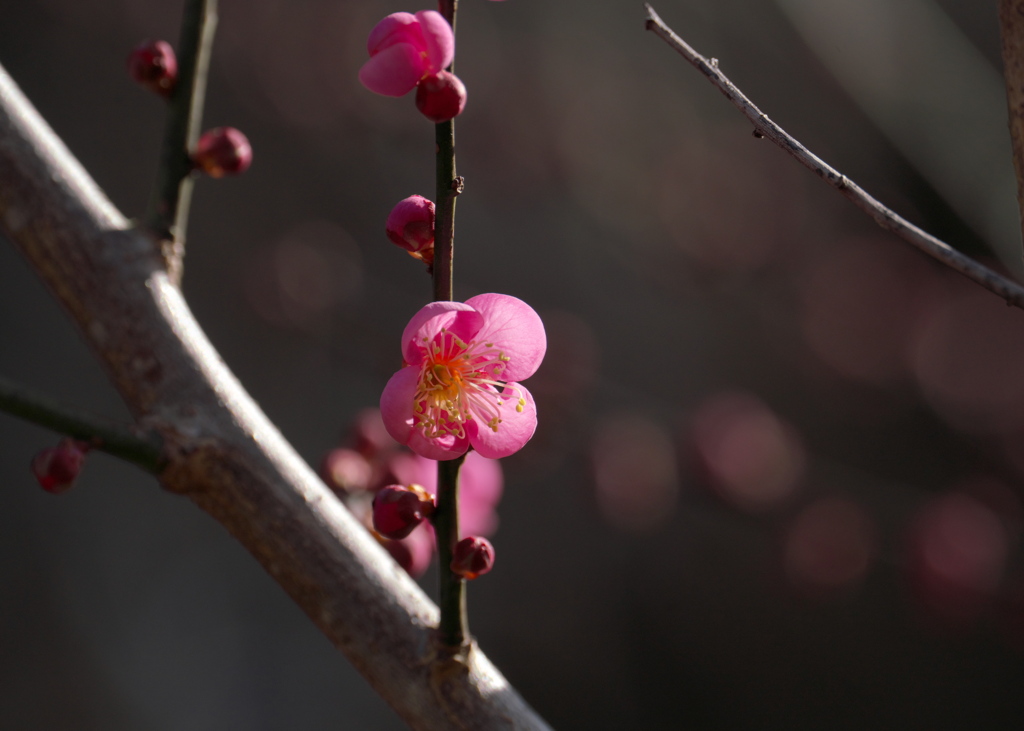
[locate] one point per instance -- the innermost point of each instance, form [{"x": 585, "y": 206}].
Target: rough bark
[{"x": 1011, "y": 26}]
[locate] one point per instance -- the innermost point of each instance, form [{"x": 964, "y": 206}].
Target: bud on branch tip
[
  {"x": 222, "y": 151},
  {"x": 56, "y": 468},
  {"x": 153, "y": 65}
]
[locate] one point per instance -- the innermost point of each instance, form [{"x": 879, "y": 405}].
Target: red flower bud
[
  {"x": 441, "y": 97},
  {"x": 222, "y": 151},
  {"x": 57, "y": 467},
  {"x": 411, "y": 226},
  {"x": 153, "y": 65},
  {"x": 398, "y": 510},
  {"x": 473, "y": 557}
]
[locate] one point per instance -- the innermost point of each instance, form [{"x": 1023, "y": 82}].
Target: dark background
[{"x": 777, "y": 478}]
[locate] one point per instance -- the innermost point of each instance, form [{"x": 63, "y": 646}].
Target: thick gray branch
[{"x": 221, "y": 451}]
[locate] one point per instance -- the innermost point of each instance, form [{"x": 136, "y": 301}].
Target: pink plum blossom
[
  {"x": 459, "y": 387},
  {"x": 405, "y": 49}
]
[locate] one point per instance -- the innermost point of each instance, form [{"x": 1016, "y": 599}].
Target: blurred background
[{"x": 777, "y": 482}]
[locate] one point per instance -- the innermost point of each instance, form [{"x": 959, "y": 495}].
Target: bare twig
[
  {"x": 448, "y": 188},
  {"x": 169, "y": 204},
  {"x": 102, "y": 435},
  {"x": 222, "y": 452},
  {"x": 1011, "y": 24},
  {"x": 453, "y": 631},
  {"x": 1010, "y": 291}
]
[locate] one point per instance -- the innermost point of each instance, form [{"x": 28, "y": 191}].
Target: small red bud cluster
[
  {"x": 56, "y": 468},
  {"x": 222, "y": 151},
  {"x": 473, "y": 557},
  {"x": 381, "y": 483},
  {"x": 153, "y": 65}
]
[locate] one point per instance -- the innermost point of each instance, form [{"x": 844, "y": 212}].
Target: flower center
[{"x": 458, "y": 382}]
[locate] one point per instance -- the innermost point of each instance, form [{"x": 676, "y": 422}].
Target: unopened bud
[
  {"x": 473, "y": 557},
  {"x": 345, "y": 470},
  {"x": 153, "y": 65},
  {"x": 57, "y": 467},
  {"x": 441, "y": 97},
  {"x": 222, "y": 151},
  {"x": 411, "y": 226},
  {"x": 398, "y": 510}
]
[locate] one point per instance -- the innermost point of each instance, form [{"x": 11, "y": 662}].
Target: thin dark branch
[
  {"x": 144, "y": 451},
  {"x": 1009, "y": 290},
  {"x": 448, "y": 188},
  {"x": 453, "y": 629},
  {"x": 1011, "y": 26},
  {"x": 169, "y": 204}
]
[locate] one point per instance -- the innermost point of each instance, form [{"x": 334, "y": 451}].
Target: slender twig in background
[
  {"x": 1010, "y": 291},
  {"x": 453, "y": 630},
  {"x": 167, "y": 216},
  {"x": 222, "y": 451},
  {"x": 104, "y": 436},
  {"x": 1011, "y": 25}
]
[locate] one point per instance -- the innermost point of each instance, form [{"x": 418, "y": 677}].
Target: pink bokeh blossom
[
  {"x": 405, "y": 49},
  {"x": 459, "y": 385}
]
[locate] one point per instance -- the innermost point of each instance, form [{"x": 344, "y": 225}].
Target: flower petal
[
  {"x": 395, "y": 71},
  {"x": 440, "y": 448},
  {"x": 439, "y": 39},
  {"x": 396, "y": 403},
  {"x": 458, "y": 318},
  {"x": 480, "y": 481},
  {"x": 414, "y": 551},
  {"x": 516, "y": 329},
  {"x": 395, "y": 28},
  {"x": 480, "y": 487},
  {"x": 515, "y": 429}
]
